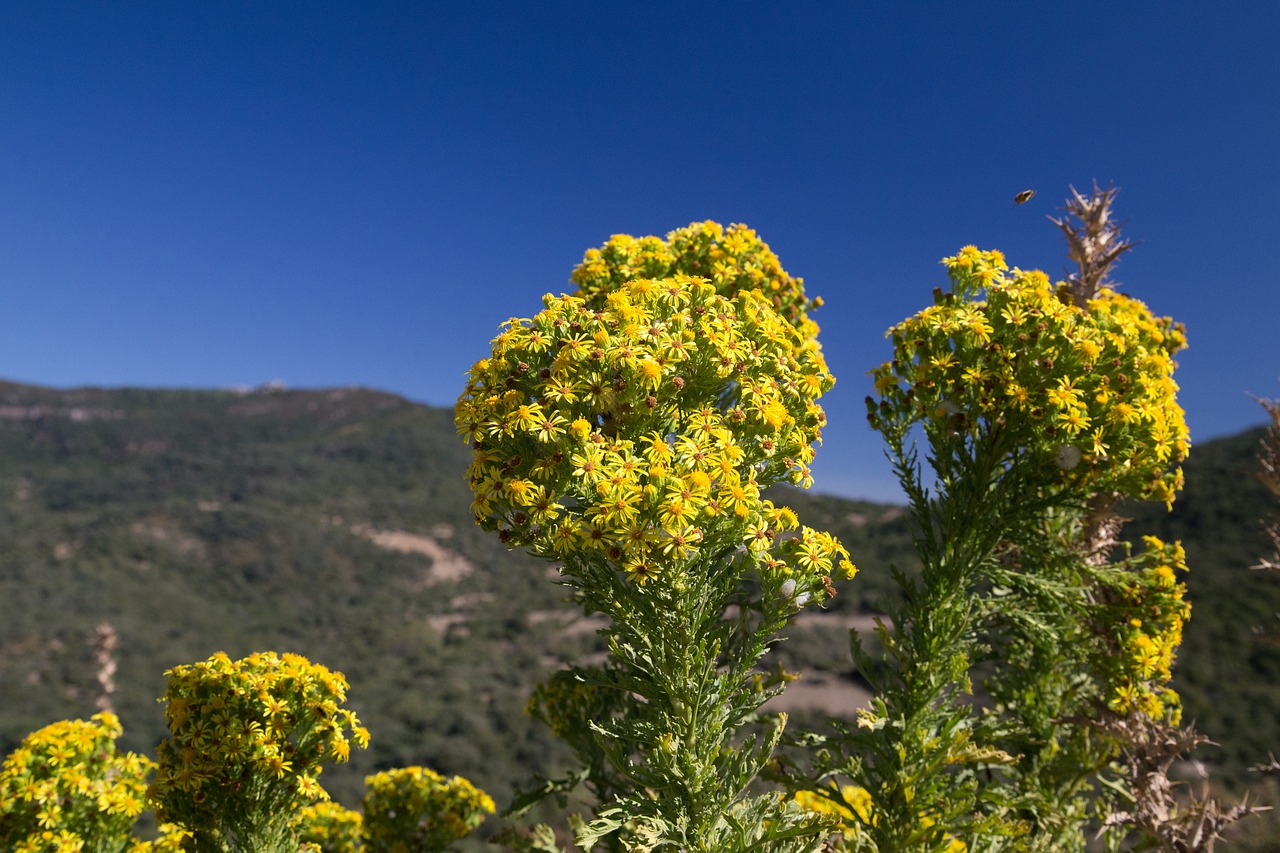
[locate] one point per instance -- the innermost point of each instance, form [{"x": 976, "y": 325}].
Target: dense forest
[{"x": 336, "y": 524}]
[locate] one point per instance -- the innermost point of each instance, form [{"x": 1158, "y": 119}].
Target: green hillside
[
  {"x": 202, "y": 521},
  {"x": 1227, "y": 671},
  {"x": 335, "y": 524},
  {"x": 330, "y": 523}
]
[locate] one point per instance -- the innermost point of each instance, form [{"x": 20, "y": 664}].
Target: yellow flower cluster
[
  {"x": 327, "y": 827},
  {"x": 734, "y": 259},
  {"x": 65, "y": 788},
  {"x": 644, "y": 423},
  {"x": 570, "y": 701},
  {"x": 1091, "y": 389},
  {"x": 249, "y": 734},
  {"x": 414, "y": 808},
  {"x": 851, "y": 805},
  {"x": 173, "y": 839},
  {"x": 1147, "y": 611}
]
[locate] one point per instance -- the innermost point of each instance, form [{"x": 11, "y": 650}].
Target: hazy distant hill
[{"x": 335, "y": 524}]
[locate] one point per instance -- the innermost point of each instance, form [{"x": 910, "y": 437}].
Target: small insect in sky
[{"x": 1023, "y": 196}]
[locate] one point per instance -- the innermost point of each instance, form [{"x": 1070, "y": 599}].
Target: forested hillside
[
  {"x": 1228, "y": 669},
  {"x": 336, "y": 524}
]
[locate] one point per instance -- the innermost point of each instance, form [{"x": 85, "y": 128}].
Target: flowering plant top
[
  {"x": 641, "y": 426},
  {"x": 249, "y": 739},
  {"x": 1086, "y": 391},
  {"x": 733, "y": 259},
  {"x": 66, "y": 786}
]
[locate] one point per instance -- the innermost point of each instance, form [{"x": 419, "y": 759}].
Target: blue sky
[{"x": 221, "y": 194}]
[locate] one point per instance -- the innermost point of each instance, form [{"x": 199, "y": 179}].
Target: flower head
[
  {"x": 1006, "y": 349},
  {"x": 66, "y": 786},
  {"x": 249, "y": 735},
  {"x": 415, "y": 808},
  {"x": 653, "y": 446}
]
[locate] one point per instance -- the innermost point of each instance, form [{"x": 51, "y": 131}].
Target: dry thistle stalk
[
  {"x": 1151, "y": 747},
  {"x": 1101, "y": 529},
  {"x": 1094, "y": 243},
  {"x": 1271, "y": 768}
]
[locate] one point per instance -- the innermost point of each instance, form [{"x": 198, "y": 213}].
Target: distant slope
[
  {"x": 336, "y": 524},
  {"x": 1227, "y": 671}
]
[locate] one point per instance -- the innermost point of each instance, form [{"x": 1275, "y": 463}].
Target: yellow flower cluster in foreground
[
  {"x": 66, "y": 788},
  {"x": 645, "y": 422},
  {"x": 240, "y": 771},
  {"x": 1093, "y": 387},
  {"x": 249, "y": 736}
]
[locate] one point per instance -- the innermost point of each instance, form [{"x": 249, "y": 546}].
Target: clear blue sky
[{"x": 220, "y": 194}]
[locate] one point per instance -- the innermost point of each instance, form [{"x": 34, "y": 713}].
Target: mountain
[{"x": 336, "y": 524}]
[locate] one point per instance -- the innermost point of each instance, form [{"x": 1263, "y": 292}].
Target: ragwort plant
[
  {"x": 249, "y": 739},
  {"x": 67, "y": 788},
  {"x": 626, "y": 432},
  {"x": 329, "y": 827},
  {"x": 240, "y": 773},
  {"x": 1025, "y": 674},
  {"x": 417, "y": 810}
]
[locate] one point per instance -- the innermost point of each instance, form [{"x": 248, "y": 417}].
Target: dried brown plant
[
  {"x": 1150, "y": 746},
  {"x": 1271, "y": 768},
  {"x": 1158, "y": 813},
  {"x": 1093, "y": 241},
  {"x": 1101, "y": 529}
]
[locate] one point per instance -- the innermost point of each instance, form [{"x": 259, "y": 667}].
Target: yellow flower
[
  {"x": 681, "y": 543},
  {"x": 772, "y": 413},
  {"x": 588, "y": 465},
  {"x": 550, "y": 427},
  {"x": 1073, "y": 421},
  {"x": 650, "y": 374},
  {"x": 620, "y": 506},
  {"x": 676, "y": 513},
  {"x": 641, "y": 568},
  {"x": 653, "y": 396}
]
